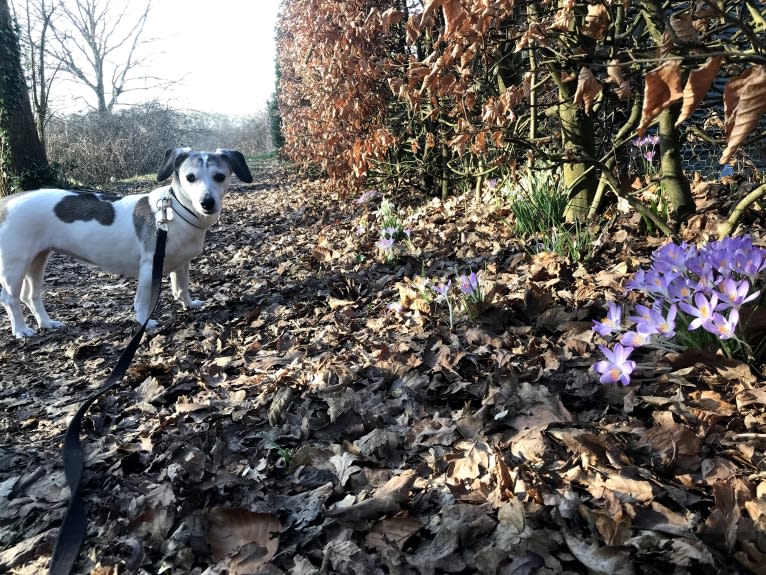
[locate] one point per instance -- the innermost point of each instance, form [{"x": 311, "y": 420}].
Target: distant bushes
[{"x": 94, "y": 148}]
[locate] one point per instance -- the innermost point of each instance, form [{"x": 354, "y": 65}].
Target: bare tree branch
[
  {"x": 35, "y": 26},
  {"x": 100, "y": 47}
]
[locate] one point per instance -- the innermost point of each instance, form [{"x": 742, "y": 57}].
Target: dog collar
[{"x": 172, "y": 194}]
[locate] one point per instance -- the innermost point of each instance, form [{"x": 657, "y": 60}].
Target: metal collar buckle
[{"x": 164, "y": 212}]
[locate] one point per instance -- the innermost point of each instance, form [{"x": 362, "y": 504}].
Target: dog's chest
[{"x": 184, "y": 241}]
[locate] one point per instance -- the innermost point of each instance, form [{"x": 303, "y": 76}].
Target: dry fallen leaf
[
  {"x": 388, "y": 499},
  {"x": 396, "y": 531},
  {"x": 244, "y": 539},
  {"x": 612, "y": 560}
]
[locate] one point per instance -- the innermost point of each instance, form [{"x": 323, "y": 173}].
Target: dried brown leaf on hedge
[
  {"x": 614, "y": 75},
  {"x": 744, "y": 103},
  {"x": 597, "y": 21},
  {"x": 662, "y": 87},
  {"x": 452, "y": 10},
  {"x": 563, "y": 18},
  {"x": 683, "y": 28},
  {"x": 588, "y": 88},
  {"x": 697, "y": 86},
  {"x": 391, "y": 17}
]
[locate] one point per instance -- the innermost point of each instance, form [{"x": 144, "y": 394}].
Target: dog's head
[{"x": 203, "y": 177}]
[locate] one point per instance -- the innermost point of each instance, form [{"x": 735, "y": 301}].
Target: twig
[{"x": 728, "y": 227}]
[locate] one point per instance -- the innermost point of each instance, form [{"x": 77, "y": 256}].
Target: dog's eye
[
  {"x": 219, "y": 178},
  {"x": 191, "y": 178}
]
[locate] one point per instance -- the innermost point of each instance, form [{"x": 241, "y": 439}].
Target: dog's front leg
[
  {"x": 179, "y": 285},
  {"x": 12, "y": 304},
  {"x": 143, "y": 301}
]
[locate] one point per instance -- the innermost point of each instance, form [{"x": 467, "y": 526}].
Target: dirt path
[{"x": 296, "y": 425}]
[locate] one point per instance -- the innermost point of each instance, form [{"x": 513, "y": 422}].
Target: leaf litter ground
[{"x": 297, "y": 425}]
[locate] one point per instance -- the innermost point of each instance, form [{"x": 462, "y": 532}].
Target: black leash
[{"x": 74, "y": 526}]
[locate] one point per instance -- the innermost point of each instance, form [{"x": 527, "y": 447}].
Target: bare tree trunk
[
  {"x": 23, "y": 163},
  {"x": 674, "y": 183},
  {"x": 577, "y": 136},
  {"x": 36, "y": 43}
]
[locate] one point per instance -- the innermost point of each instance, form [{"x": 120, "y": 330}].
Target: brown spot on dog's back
[{"x": 83, "y": 206}]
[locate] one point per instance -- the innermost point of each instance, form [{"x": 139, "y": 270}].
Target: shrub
[{"x": 96, "y": 147}]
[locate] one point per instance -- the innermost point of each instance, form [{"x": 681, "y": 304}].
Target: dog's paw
[
  {"x": 195, "y": 303},
  {"x": 151, "y": 326},
  {"x": 52, "y": 324},
  {"x": 24, "y": 332}
]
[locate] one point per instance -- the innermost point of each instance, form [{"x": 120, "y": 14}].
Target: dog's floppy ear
[
  {"x": 238, "y": 164},
  {"x": 173, "y": 159}
]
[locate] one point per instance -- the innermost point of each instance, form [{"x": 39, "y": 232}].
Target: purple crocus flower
[
  {"x": 651, "y": 321},
  {"x": 666, "y": 326},
  {"x": 395, "y": 307},
  {"x": 469, "y": 285},
  {"x": 735, "y": 293},
  {"x": 723, "y": 327},
  {"x": 702, "y": 310},
  {"x": 442, "y": 291},
  {"x": 638, "y": 281},
  {"x": 367, "y": 196},
  {"x": 701, "y": 266},
  {"x": 636, "y": 338},
  {"x": 616, "y": 367},
  {"x": 722, "y": 261},
  {"x": 385, "y": 244},
  {"x": 749, "y": 262},
  {"x": 611, "y": 323},
  {"x": 657, "y": 282},
  {"x": 644, "y": 314},
  {"x": 679, "y": 290},
  {"x": 672, "y": 257}
]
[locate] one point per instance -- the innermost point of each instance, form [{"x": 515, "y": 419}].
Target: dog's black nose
[{"x": 208, "y": 204}]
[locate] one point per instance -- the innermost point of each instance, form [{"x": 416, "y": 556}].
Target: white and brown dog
[{"x": 114, "y": 233}]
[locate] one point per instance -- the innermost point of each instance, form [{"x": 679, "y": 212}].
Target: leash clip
[{"x": 164, "y": 212}]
